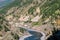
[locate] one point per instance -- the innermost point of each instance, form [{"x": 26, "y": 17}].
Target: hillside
[{"x": 34, "y": 14}]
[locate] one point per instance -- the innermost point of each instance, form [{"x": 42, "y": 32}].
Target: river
[{"x": 34, "y": 35}]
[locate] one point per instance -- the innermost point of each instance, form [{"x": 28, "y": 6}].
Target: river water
[
  {"x": 34, "y": 35},
  {"x": 5, "y": 2}
]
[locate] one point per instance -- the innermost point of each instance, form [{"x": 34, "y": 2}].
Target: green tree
[{"x": 48, "y": 9}]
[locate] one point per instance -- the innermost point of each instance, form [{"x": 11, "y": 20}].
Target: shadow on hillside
[{"x": 55, "y": 35}]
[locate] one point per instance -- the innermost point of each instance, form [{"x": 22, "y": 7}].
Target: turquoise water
[{"x": 5, "y": 2}]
